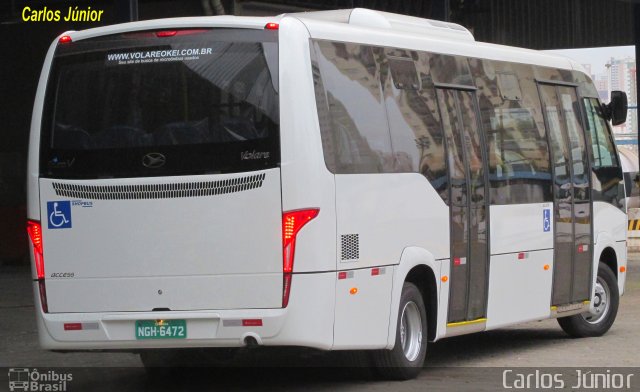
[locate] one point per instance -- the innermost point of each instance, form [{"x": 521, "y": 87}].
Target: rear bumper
[{"x": 307, "y": 321}]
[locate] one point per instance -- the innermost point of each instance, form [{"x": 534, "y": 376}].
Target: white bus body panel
[
  {"x": 307, "y": 321},
  {"x": 306, "y": 182},
  {"x": 610, "y": 231},
  {"x": 519, "y": 285},
  {"x": 180, "y": 253},
  {"x": 363, "y": 306},
  {"x": 394, "y": 212}
]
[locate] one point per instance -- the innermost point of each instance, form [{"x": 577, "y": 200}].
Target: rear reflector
[
  {"x": 42, "y": 289},
  {"x": 286, "y": 289},
  {"x": 272, "y": 26},
  {"x": 252, "y": 323},
  {"x": 72, "y": 326},
  {"x": 35, "y": 235}
]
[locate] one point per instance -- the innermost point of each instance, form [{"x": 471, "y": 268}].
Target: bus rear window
[{"x": 206, "y": 101}]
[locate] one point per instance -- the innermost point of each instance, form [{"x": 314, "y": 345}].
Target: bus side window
[
  {"x": 606, "y": 168},
  {"x": 351, "y": 75},
  {"x": 518, "y": 154},
  {"x": 414, "y": 121}
]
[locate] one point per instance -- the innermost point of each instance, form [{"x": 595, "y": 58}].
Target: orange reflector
[
  {"x": 353, "y": 291},
  {"x": 546, "y": 267},
  {"x": 444, "y": 278},
  {"x": 623, "y": 269}
]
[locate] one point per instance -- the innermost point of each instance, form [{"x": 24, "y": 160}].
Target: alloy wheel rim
[
  {"x": 411, "y": 331},
  {"x": 601, "y": 303}
]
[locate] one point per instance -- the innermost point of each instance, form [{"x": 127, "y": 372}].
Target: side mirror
[{"x": 616, "y": 110}]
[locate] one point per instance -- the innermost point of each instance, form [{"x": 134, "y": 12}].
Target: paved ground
[{"x": 473, "y": 362}]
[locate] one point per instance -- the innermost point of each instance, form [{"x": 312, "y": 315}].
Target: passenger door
[
  {"x": 468, "y": 205},
  {"x": 572, "y": 195}
]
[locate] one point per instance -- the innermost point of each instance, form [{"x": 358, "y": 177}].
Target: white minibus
[{"x": 339, "y": 180}]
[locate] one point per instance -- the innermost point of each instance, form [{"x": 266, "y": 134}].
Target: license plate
[{"x": 161, "y": 329}]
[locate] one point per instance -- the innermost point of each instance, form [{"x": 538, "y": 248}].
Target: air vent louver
[
  {"x": 350, "y": 247},
  {"x": 159, "y": 191}
]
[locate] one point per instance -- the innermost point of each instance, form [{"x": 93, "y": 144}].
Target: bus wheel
[
  {"x": 605, "y": 308},
  {"x": 406, "y": 358}
]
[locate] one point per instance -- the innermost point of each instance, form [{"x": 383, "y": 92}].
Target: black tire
[
  {"x": 394, "y": 364},
  {"x": 581, "y": 326}
]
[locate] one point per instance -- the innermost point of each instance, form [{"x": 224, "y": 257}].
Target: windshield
[{"x": 167, "y": 103}]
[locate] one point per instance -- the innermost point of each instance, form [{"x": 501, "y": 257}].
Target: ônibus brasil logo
[{"x": 32, "y": 380}]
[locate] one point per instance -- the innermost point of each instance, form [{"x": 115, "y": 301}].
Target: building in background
[
  {"x": 602, "y": 85},
  {"x": 622, "y": 76}
]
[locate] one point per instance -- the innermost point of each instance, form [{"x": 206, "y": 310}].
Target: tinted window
[
  {"x": 351, "y": 75},
  {"x": 414, "y": 122},
  {"x": 577, "y": 145},
  {"x": 517, "y": 151},
  {"x": 604, "y": 152},
  {"x": 207, "y": 101},
  {"x": 606, "y": 185},
  {"x": 452, "y": 70}
]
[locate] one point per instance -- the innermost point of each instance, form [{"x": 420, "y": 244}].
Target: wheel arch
[
  {"x": 423, "y": 277},
  {"x": 610, "y": 259}
]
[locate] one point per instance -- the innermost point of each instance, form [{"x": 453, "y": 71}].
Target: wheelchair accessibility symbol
[
  {"x": 546, "y": 220},
  {"x": 59, "y": 213}
]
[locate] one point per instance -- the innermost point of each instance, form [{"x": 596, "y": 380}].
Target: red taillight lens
[
  {"x": 166, "y": 33},
  {"x": 35, "y": 234},
  {"x": 271, "y": 26},
  {"x": 64, "y": 39},
  {"x": 292, "y": 222}
]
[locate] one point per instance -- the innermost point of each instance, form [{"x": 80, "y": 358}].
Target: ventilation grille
[
  {"x": 350, "y": 247},
  {"x": 159, "y": 191}
]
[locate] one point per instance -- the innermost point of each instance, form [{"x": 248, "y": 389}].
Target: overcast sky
[{"x": 597, "y": 57}]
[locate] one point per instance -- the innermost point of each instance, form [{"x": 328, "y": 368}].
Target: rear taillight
[
  {"x": 35, "y": 235},
  {"x": 166, "y": 33},
  {"x": 292, "y": 222}
]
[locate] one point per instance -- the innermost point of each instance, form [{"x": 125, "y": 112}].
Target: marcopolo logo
[{"x": 32, "y": 380}]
